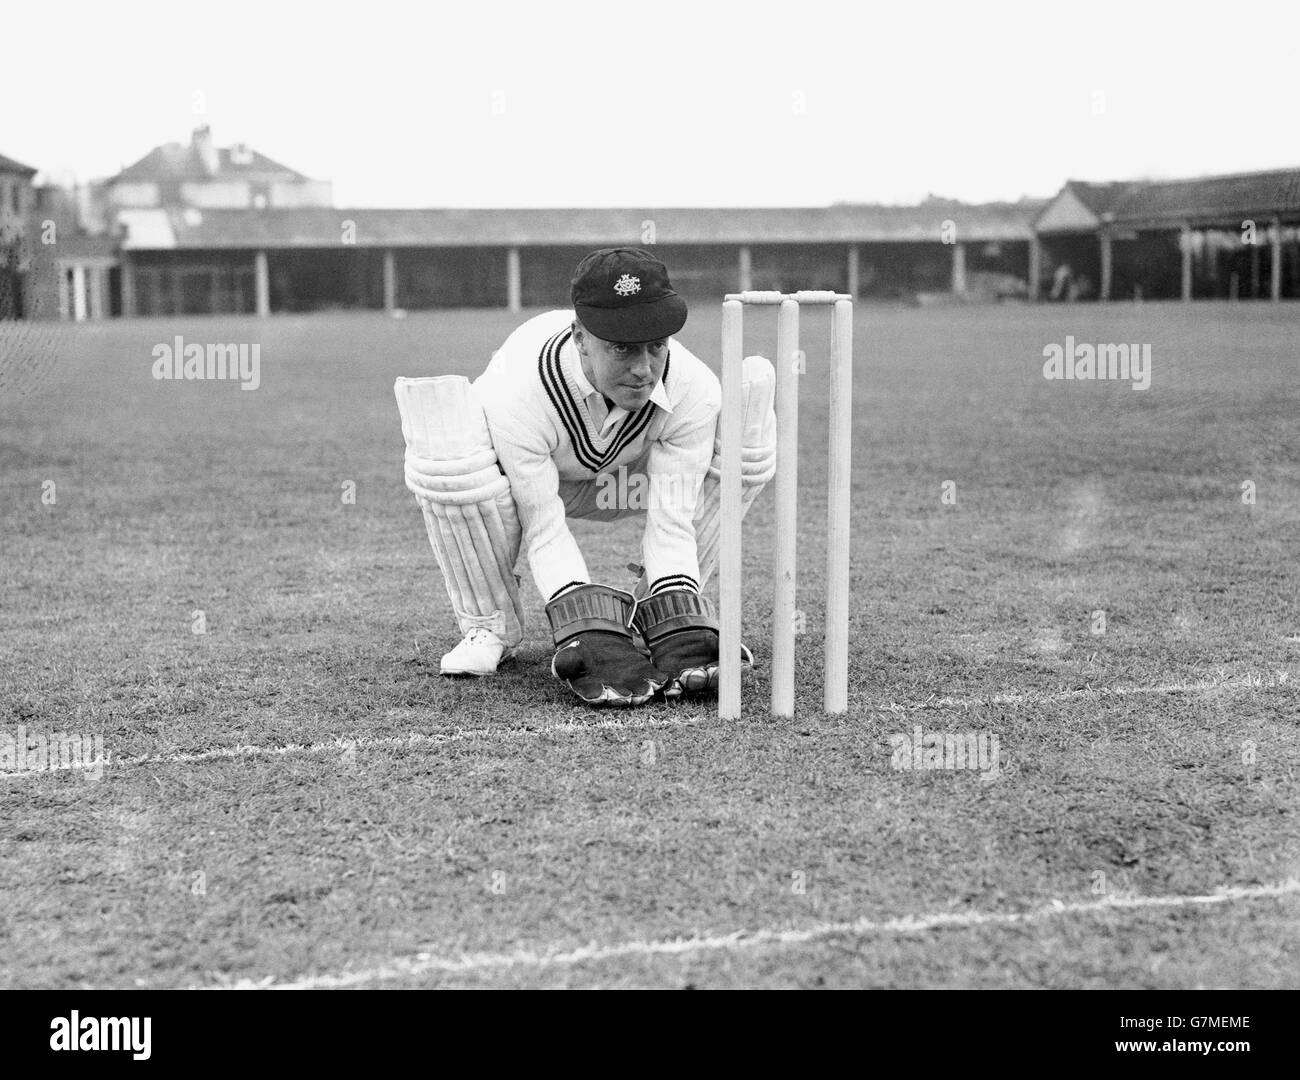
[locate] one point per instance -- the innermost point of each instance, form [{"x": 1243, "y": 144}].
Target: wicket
[{"x": 788, "y": 364}]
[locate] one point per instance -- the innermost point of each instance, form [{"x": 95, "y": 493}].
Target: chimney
[{"x": 202, "y": 142}]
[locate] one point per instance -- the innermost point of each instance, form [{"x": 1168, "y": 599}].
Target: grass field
[{"x": 295, "y": 796}]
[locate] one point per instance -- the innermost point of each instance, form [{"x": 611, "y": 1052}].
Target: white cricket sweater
[{"x": 546, "y": 422}]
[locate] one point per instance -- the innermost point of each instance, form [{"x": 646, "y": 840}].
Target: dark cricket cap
[{"x": 623, "y": 294}]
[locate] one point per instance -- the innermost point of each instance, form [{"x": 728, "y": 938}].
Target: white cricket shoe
[{"x": 478, "y": 654}]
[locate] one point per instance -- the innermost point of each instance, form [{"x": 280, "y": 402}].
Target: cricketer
[{"x": 574, "y": 403}]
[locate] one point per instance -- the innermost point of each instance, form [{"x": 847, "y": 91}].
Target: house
[
  {"x": 205, "y": 176},
  {"x": 17, "y": 197},
  {"x": 86, "y": 272}
]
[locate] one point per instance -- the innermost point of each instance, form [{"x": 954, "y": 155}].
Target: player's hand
[
  {"x": 682, "y": 635},
  {"x": 690, "y": 659},
  {"x": 605, "y": 668},
  {"x": 594, "y": 652}
]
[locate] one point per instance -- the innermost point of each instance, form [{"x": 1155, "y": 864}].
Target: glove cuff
[
  {"x": 666, "y": 612},
  {"x": 591, "y": 607}
]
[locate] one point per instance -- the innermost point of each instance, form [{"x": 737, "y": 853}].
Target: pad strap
[
  {"x": 672, "y": 610},
  {"x": 591, "y": 607}
]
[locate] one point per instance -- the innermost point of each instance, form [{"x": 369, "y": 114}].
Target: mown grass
[{"x": 325, "y": 619}]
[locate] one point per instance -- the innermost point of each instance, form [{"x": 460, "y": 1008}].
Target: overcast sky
[{"x": 634, "y": 103}]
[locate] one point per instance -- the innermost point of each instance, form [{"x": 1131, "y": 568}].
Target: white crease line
[
  {"x": 363, "y": 742},
  {"x": 416, "y": 738},
  {"x": 427, "y": 963},
  {"x": 1275, "y": 681},
  {"x": 379, "y": 742}
]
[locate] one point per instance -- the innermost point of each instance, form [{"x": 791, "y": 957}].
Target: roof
[
  {"x": 9, "y": 165},
  {"x": 1201, "y": 200},
  {"x": 74, "y": 245},
  {"x": 1080, "y": 206},
  {"x": 174, "y": 161},
  {"x": 1213, "y": 198},
  {"x": 1099, "y": 198},
  {"x": 319, "y": 227}
]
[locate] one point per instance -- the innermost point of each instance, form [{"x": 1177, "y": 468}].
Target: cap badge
[{"x": 627, "y": 285}]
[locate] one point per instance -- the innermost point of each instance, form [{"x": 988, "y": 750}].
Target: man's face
[{"x": 625, "y": 372}]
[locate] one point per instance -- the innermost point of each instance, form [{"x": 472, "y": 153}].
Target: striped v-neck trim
[{"x": 572, "y": 412}]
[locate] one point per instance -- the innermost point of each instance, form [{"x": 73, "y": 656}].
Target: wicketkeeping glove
[
  {"x": 682, "y": 635},
  {"x": 594, "y": 650}
]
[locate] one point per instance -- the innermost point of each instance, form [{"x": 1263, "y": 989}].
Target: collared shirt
[
  {"x": 550, "y": 425},
  {"x": 604, "y": 413}
]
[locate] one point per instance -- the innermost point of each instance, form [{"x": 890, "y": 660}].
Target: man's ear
[{"x": 579, "y": 334}]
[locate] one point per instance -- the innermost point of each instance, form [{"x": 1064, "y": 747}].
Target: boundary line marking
[
  {"x": 427, "y": 963},
  {"x": 1273, "y": 681}
]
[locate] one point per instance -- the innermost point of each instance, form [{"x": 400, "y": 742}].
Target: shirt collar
[{"x": 573, "y": 363}]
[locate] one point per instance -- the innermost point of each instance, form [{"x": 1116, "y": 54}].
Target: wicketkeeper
[{"x": 572, "y": 398}]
